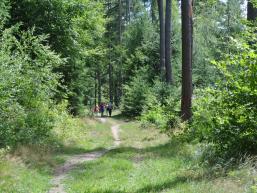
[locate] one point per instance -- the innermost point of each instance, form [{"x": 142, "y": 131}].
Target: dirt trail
[
  {"x": 74, "y": 161},
  {"x": 115, "y": 134}
]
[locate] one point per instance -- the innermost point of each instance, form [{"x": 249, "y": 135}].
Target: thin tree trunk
[
  {"x": 110, "y": 82},
  {"x": 153, "y": 6},
  {"x": 168, "y": 43},
  {"x": 120, "y": 60},
  {"x": 187, "y": 37},
  {"x": 95, "y": 88},
  {"x": 120, "y": 20},
  {"x": 251, "y": 11},
  {"x": 162, "y": 37},
  {"x": 110, "y": 64},
  {"x": 129, "y": 4},
  {"x": 99, "y": 87}
]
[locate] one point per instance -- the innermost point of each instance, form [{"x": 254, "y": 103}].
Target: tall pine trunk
[
  {"x": 95, "y": 88},
  {"x": 128, "y": 10},
  {"x": 187, "y": 40},
  {"x": 110, "y": 81},
  {"x": 251, "y": 11},
  {"x": 99, "y": 90},
  {"x": 168, "y": 52},
  {"x": 110, "y": 70},
  {"x": 120, "y": 59},
  {"x": 120, "y": 20},
  {"x": 162, "y": 37},
  {"x": 153, "y": 6}
]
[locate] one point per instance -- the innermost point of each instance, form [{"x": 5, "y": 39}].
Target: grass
[
  {"x": 29, "y": 169},
  {"x": 149, "y": 162},
  {"x": 17, "y": 177},
  {"x": 146, "y": 162},
  {"x": 84, "y": 135}
]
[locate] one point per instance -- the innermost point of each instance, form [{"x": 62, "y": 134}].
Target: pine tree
[{"x": 187, "y": 37}]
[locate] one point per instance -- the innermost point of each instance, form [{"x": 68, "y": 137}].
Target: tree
[
  {"x": 153, "y": 10},
  {"x": 162, "y": 36},
  {"x": 187, "y": 37},
  {"x": 251, "y": 11},
  {"x": 168, "y": 52}
]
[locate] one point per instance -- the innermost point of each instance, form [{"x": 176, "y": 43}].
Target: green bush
[
  {"x": 27, "y": 84},
  {"x": 134, "y": 97},
  {"x": 227, "y": 115},
  {"x": 4, "y": 8},
  {"x": 162, "y": 107}
]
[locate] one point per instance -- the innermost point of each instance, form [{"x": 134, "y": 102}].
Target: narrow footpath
[{"x": 74, "y": 161}]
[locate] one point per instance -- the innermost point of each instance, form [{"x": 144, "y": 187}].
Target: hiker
[
  {"x": 109, "y": 108},
  {"x": 102, "y": 109}
]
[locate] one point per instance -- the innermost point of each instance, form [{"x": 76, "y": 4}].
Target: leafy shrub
[
  {"x": 227, "y": 115},
  {"x": 27, "y": 85}
]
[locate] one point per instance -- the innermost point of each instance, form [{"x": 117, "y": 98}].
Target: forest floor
[{"x": 115, "y": 155}]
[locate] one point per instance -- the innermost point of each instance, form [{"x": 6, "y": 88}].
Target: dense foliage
[
  {"x": 45, "y": 47},
  {"x": 27, "y": 86},
  {"x": 227, "y": 114}
]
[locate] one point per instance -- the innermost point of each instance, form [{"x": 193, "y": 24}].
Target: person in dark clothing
[
  {"x": 102, "y": 109},
  {"x": 109, "y": 108}
]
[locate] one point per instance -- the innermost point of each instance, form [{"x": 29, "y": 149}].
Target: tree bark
[
  {"x": 127, "y": 11},
  {"x": 110, "y": 70},
  {"x": 153, "y": 6},
  {"x": 95, "y": 89},
  {"x": 187, "y": 37},
  {"x": 99, "y": 87},
  {"x": 120, "y": 59},
  {"x": 162, "y": 37},
  {"x": 129, "y": 5},
  {"x": 168, "y": 52},
  {"x": 120, "y": 20},
  {"x": 251, "y": 11},
  {"x": 110, "y": 82}
]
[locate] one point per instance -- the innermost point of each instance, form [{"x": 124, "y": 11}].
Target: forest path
[{"x": 74, "y": 161}]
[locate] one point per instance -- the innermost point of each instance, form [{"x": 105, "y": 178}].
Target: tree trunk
[
  {"x": 120, "y": 20},
  {"x": 162, "y": 37},
  {"x": 251, "y": 11},
  {"x": 120, "y": 59},
  {"x": 110, "y": 71},
  {"x": 99, "y": 87},
  {"x": 168, "y": 43},
  {"x": 95, "y": 88},
  {"x": 153, "y": 6},
  {"x": 110, "y": 82},
  {"x": 187, "y": 37},
  {"x": 128, "y": 11},
  {"x": 129, "y": 5}
]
